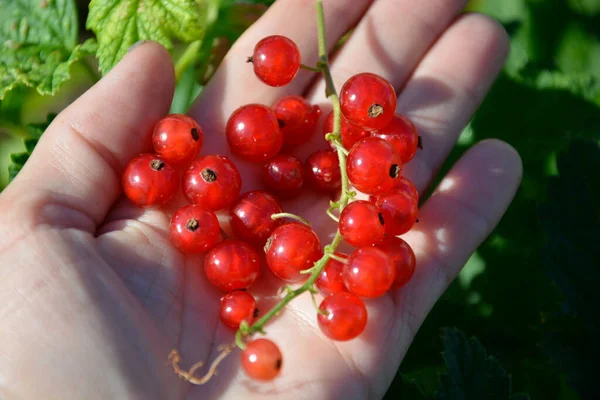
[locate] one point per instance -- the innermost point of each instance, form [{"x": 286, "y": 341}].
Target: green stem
[
  {"x": 188, "y": 58},
  {"x": 312, "y": 69}
]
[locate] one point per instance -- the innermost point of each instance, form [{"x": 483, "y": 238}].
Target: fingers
[{"x": 73, "y": 176}]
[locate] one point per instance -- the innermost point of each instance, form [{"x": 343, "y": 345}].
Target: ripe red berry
[
  {"x": 373, "y": 166},
  {"x": 251, "y": 217},
  {"x": 261, "y": 360},
  {"x": 342, "y": 316},
  {"x": 276, "y": 60},
  {"x": 399, "y": 210},
  {"x": 232, "y": 265},
  {"x": 350, "y": 133},
  {"x": 369, "y": 272},
  {"x": 402, "y": 184},
  {"x": 402, "y": 256},
  {"x": 368, "y": 101},
  {"x": 361, "y": 224},
  {"x": 291, "y": 248},
  {"x": 194, "y": 229},
  {"x": 177, "y": 138},
  {"x": 236, "y": 307},
  {"x": 402, "y": 134},
  {"x": 331, "y": 279},
  {"x": 323, "y": 171},
  {"x": 253, "y": 133},
  {"x": 297, "y": 119},
  {"x": 213, "y": 182},
  {"x": 148, "y": 180},
  {"x": 284, "y": 175}
]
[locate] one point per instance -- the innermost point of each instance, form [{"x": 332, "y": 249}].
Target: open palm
[{"x": 92, "y": 294}]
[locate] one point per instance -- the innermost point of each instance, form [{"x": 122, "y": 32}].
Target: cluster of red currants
[{"x": 377, "y": 143}]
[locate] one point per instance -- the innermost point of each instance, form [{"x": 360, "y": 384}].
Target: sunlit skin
[
  {"x": 212, "y": 182},
  {"x": 149, "y": 181}
]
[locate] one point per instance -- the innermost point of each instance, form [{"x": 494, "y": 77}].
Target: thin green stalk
[{"x": 188, "y": 58}]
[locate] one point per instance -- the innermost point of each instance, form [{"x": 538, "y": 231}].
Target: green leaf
[
  {"x": 119, "y": 24},
  {"x": 39, "y": 44},
  {"x": 472, "y": 374},
  {"x": 35, "y": 131}
]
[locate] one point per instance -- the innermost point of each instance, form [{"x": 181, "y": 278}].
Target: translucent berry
[
  {"x": 402, "y": 134},
  {"x": 236, "y": 307},
  {"x": 149, "y": 181},
  {"x": 342, "y": 316},
  {"x": 331, "y": 279},
  {"x": 402, "y": 256},
  {"x": 195, "y": 229},
  {"x": 323, "y": 171},
  {"x": 373, "y": 166},
  {"x": 297, "y": 119},
  {"x": 361, "y": 224},
  {"x": 261, "y": 360},
  {"x": 402, "y": 184},
  {"x": 350, "y": 133},
  {"x": 399, "y": 210},
  {"x": 276, "y": 60},
  {"x": 368, "y": 101},
  {"x": 369, "y": 273},
  {"x": 251, "y": 217},
  {"x": 213, "y": 182},
  {"x": 292, "y": 248},
  {"x": 177, "y": 138},
  {"x": 253, "y": 133},
  {"x": 232, "y": 265},
  {"x": 284, "y": 175}
]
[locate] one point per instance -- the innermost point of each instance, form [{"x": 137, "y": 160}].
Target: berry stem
[
  {"x": 291, "y": 216},
  {"x": 309, "y": 68},
  {"x": 187, "y": 58}
]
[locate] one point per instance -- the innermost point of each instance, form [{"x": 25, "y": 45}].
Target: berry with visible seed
[
  {"x": 212, "y": 182},
  {"x": 331, "y": 279},
  {"x": 342, "y": 316},
  {"x": 402, "y": 134},
  {"x": 373, "y": 166},
  {"x": 402, "y": 256},
  {"x": 236, "y": 307},
  {"x": 276, "y": 60},
  {"x": 369, "y": 273},
  {"x": 195, "y": 229},
  {"x": 284, "y": 175},
  {"x": 400, "y": 211},
  {"x": 177, "y": 138},
  {"x": 232, "y": 265},
  {"x": 349, "y": 133},
  {"x": 362, "y": 224},
  {"x": 368, "y": 101},
  {"x": 297, "y": 119},
  {"x": 323, "y": 171},
  {"x": 253, "y": 133},
  {"x": 149, "y": 181},
  {"x": 261, "y": 360},
  {"x": 251, "y": 217}
]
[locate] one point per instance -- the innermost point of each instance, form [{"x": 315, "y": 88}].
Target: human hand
[{"x": 93, "y": 296}]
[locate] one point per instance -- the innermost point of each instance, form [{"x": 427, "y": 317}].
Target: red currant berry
[
  {"x": 251, "y": 217},
  {"x": 403, "y": 184},
  {"x": 276, "y": 60},
  {"x": 262, "y": 360},
  {"x": 253, "y": 133},
  {"x": 399, "y": 210},
  {"x": 342, "y": 316},
  {"x": 368, "y": 101},
  {"x": 236, "y": 307},
  {"x": 213, "y": 182},
  {"x": 361, "y": 224},
  {"x": 369, "y": 272},
  {"x": 402, "y": 134},
  {"x": 232, "y": 265},
  {"x": 402, "y": 256},
  {"x": 297, "y": 119},
  {"x": 331, "y": 280},
  {"x": 284, "y": 175},
  {"x": 323, "y": 171},
  {"x": 291, "y": 248},
  {"x": 373, "y": 166},
  {"x": 194, "y": 229},
  {"x": 350, "y": 133},
  {"x": 177, "y": 138},
  {"x": 148, "y": 180}
]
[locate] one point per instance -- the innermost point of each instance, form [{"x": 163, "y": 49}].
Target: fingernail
[{"x": 136, "y": 44}]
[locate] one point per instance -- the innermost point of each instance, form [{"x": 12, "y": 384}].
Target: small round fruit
[
  {"x": 402, "y": 134},
  {"x": 212, "y": 182},
  {"x": 297, "y": 119},
  {"x": 276, "y": 60},
  {"x": 331, "y": 279},
  {"x": 261, "y": 360},
  {"x": 236, "y": 307},
  {"x": 284, "y": 175},
  {"x": 402, "y": 184},
  {"x": 291, "y": 248},
  {"x": 402, "y": 256},
  {"x": 361, "y": 224},
  {"x": 177, "y": 138},
  {"x": 323, "y": 171},
  {"x": 149, "y": 181},
  {"x": 232, "y": 265},
  {"x": 399, "y": 210},
  {"x": 251, "y": 217},
  {"x": 368, "y": 101},
  {"x": 373, "y": 166},
  {"x": 350, "y": 133},
  {"x": 342, "y": 316},
  {"x": 369, "y": 273},
  {"x": 253, "y": 133},
  {"x": 195, "y": 229}
]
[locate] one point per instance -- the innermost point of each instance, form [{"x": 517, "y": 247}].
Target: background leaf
[{"x": 18, "y": 160}]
